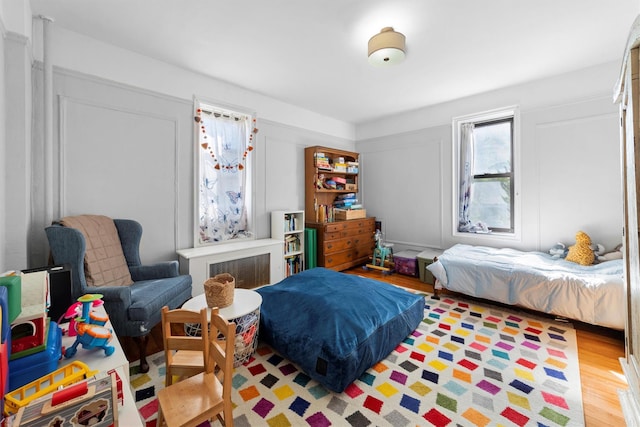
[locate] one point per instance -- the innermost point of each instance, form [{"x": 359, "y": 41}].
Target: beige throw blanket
[{"x": 104, "y": 261}]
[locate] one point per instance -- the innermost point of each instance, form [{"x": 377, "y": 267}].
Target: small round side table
[{"x": 244, "y": 311}]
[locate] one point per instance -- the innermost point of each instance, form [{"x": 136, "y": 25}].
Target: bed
[
  {"x": 335, "y": 326},
  {"x": 593, "y": 294}
]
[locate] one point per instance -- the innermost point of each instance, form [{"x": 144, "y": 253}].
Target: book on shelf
[
  {"x": 346, "y": 196},
  {"x": 293, "y": 265},
  {"x": 290, "y": 222},
  {"x": 291, "y": 243},
  {"x": 322, "y": 162}
]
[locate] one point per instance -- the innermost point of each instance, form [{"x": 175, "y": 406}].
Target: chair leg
[
  {"x": 160, "y": 419},
  {"x": 142, "y": 350}
]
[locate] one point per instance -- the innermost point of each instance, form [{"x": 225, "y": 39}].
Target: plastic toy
[
  {"x": 73, "y": 312},
  {"x": 69, "y": 374},
  {"x": 382, "y": 256},
  {"x": 90, "y": 329}
]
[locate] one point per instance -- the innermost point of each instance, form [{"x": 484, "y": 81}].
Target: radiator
[{"x": 253, "y": 263}]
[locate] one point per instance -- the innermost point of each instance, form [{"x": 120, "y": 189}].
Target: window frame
[
  {"x": 250, "y": 166},
  {"x": 487, "y": 117}
]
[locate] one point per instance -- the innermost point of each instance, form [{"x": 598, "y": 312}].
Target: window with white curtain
[
  {"x": 223, "y": 167},
  {"x": 486, "y": 173}
]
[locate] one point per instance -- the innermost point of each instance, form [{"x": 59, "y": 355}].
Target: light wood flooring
[{"x": 599, "y": 350}]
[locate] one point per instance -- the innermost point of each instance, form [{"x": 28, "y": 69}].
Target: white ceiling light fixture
[{"x": 386, "y": 47}]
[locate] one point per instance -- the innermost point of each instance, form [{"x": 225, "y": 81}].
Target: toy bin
[
  {"x": 29, "y": 368},
  {"x": 425, "y": 258},
  {"x": 406, "y": 262}
]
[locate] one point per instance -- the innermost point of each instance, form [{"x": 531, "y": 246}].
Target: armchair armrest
[
  {"x": 159, "y": 270},
  {"x": 120, "y": 295}
]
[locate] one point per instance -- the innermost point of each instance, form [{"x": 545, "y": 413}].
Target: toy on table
[
  {"x": 64, "y": 376},
  {"x": 90, "y": 329},
  {"x": 75, "y": 311}
]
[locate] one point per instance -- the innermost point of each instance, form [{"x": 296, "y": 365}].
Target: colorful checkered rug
[{"x": 467, "y": 364}]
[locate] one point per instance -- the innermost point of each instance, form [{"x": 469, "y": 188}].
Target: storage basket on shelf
[{"x": 219, "y": 290}]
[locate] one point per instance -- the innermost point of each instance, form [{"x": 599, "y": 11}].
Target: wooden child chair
[
  {"x": 184, "y": 355},
  {"x": 208, "y": 394}
]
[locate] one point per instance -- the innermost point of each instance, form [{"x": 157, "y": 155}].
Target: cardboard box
[
  {"x": 406, "y": 262},
  {"x": 344, "y": 214}
]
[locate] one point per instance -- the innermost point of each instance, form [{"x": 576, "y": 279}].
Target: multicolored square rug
[{"x": 467, "y": 364}]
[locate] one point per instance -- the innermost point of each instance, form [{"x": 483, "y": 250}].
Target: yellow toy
[
  {"x": 68, "y": 374},
  {"x": 581, "y": 252}
]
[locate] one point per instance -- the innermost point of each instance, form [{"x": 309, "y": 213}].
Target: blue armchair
[{"x": 133, "y": 310}]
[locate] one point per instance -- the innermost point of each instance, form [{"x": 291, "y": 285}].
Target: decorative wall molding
[
  {"x": 61, "y": 71},
  {"x": 63, "y": 103}
]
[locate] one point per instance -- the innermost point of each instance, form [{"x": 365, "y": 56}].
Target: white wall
[
  {"x": 15, "y": 142},
  {"x": 76, "y": 52},
  {"x": 123, "y": 141},
  {"x": 3, "y": 149},
  {"x": 127, "y": 152},
  {"x": 570, "y": 164}
]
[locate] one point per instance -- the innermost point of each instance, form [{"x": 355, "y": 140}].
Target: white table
[
  {"x": 244, "y": 311},
  {"x": 96, "y": 360}
]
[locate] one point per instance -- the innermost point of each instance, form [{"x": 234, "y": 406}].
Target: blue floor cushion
[{"x": 335, "y": 326}]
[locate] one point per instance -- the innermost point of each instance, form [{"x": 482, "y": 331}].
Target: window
[
  {"x": 486, "y": 173},
  {"x": 224, "y": 141}
]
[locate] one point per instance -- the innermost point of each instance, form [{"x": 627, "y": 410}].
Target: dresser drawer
[
  {"x": 338, "y": 245},
  {"x": 339, "y": 258}
]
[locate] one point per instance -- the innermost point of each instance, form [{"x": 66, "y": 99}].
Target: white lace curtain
[{"x": 223, "y": 143}]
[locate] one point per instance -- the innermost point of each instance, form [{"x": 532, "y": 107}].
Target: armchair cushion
[
  {"x": 104, "y": 260},
  {"x": 149, "y": 296}
]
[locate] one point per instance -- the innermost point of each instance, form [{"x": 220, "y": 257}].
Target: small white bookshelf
[{"x": 288, "y": 226}]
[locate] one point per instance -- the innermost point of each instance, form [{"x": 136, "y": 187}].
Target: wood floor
[{"x": 599, "y": 350}]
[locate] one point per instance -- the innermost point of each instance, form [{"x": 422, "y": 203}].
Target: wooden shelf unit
[
  {"x": 316, "y": 196},
  {"x": 341, "y": 244}
]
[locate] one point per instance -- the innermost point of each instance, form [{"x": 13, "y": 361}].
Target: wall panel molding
[{"x": 65, "y": 103}]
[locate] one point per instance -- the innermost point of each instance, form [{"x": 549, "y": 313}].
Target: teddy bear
[{"x": 581, "y": 252}]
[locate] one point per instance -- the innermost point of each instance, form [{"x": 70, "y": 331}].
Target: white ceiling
[{"x": 313, "y": 54}]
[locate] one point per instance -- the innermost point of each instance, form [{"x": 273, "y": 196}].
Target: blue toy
[
  {"x": 90, "y": 330},
  {"x": 382, "y": 255}
]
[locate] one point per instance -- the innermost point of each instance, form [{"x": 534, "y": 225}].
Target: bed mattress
[
  {"x": 335, "y": 326},
  {"x": 535, "y": 280}
]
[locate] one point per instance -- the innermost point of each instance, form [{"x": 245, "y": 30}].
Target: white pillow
[{"x": 438, "y": 271}]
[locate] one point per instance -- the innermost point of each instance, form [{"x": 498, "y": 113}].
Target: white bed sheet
[{"x": 535, "y": 280}]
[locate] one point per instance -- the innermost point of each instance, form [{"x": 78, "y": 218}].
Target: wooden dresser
[{"x": 344, "y": 244}]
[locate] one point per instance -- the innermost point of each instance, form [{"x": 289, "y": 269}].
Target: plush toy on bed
[
  {"x": 616, "y": 253},
  {"x": 559, "y": 250},
  {"x": 581, "y": 252}
]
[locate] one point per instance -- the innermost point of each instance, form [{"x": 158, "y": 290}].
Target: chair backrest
[
  {"x": 222, "y": 338},
  {"x": 173, "y": 341}
]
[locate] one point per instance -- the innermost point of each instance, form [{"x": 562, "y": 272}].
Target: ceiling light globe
[{"x": 386, "y": 56}]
